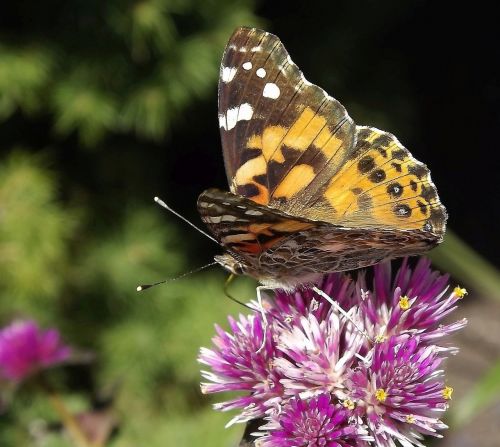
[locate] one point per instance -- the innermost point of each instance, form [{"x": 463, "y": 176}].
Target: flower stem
[{"x": 67, "y": 418}]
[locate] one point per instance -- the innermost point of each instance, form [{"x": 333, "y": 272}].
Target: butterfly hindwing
[
  {"x": 279, "y": 249},
  {"x": 381, "y": 186},
  {"x": 243, "y": 226}
]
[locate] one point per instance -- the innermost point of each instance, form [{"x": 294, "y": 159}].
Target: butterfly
[{"x": 310, "y": 191}]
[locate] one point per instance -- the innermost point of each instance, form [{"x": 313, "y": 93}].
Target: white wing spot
[
  {"x": 256, "y": 49},
  {"x": 271, "y": 90},
  {"x": 247, "y": 65},
  {"x": 222, "y": 121},
  {"x": 253, "y": 213},
  {"x": 228, "y": 73},
  {"x": 289, "y": 59},
  {"x": 213, "y": 219},
  {"x": 223, "y": 218},
  {"x": 242, "y": 50},
  {"x": 246, "y": 112},
  {"x": 261, "y": 72},
  {"x": 242, "y": 113}
]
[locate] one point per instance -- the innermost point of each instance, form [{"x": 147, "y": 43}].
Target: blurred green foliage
[
  {"x": 70, "y": 256},
  {"x": 118, "y": 66},
  {"x": 90, "y": 94}
]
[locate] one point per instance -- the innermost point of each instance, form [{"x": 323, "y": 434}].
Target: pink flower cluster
[
  {"x": 320, "y": 378},
  {"x": 26, "y": 349}
]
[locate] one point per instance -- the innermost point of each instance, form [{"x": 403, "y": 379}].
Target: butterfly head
[{"x": 231, "y": 264}]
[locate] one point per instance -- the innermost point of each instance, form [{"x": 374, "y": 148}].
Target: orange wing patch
[
  {"x": 294, "y": 182},
  {"x": 310, "y": 131}
]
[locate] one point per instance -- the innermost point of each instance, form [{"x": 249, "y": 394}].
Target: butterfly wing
[
  {"x": 289, "y": 145},
  {"x": 381, "y": 186},
  {"x": 245, "y": 228},
  {"x": 283, "y": 251},
  {"x": 278, "y": 130}
]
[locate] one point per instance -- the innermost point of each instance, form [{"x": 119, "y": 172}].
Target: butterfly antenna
[
  {"x": 143, "y": 287},
  {"x": 164, "y": 205},
  {"x": 229, "y": 280}
]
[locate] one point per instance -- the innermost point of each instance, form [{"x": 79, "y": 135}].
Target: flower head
[
  {"x": 317, "y": 422},
  {"x": 26, "y": 349},
  {"x": 369, "y": 372},
  {"x": 315, "y": 355},
  {"x": 415, "y": 302},
  {"x": 402, "y": 390},
  {"x": 239, "y": 364}
]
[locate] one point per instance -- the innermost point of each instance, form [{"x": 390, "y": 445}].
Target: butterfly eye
[{"x": 230, "y": 264}]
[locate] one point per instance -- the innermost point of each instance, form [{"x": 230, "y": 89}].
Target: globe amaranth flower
[
  {"x": 315, "y": 355},
  {"x": 415, "y": 302},
  {"x": 316, "y": 422},
  {"x": 26, "y": 349},
  {"x": 401, "y": 393},
  {"x": 243, "y": 361},
  {"x": 379, "y": 368}
]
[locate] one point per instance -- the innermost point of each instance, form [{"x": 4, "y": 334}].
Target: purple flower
[
  {"x": 402, "y": 392},
  {"x": 415, "y": 302},
  {"x": 315, "y": 355},
  {"x": 238, "y": 364},
  {"x": 26, "y": 349},
  {"x": 317, "y": 422},
  {"x": 288, "y": 307},
  {"x": 322, "y": 376}
]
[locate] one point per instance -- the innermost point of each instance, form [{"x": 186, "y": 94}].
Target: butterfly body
[{"x": 310, "y": 192}]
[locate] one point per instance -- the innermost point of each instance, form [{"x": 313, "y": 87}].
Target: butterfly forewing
[{"x": 280, "y": 133}]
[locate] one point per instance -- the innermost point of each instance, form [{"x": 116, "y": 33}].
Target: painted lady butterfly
[{"x": 311, "y": 192}]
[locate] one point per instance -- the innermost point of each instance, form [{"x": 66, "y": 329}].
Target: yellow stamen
[
  {"x": 447, "y": 392},
  {"x": 380, "y": 395},
  {"x": 460, "y": 291},
  {"x": 380, "y": 338},
  {"x": 410, "y": 418},
  {"x": 404, "y": 302},
  {"x": 349, "y": 404}
]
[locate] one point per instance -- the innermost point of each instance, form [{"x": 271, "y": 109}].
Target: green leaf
[
  {"x": 483, "y": 393},
  {"x": 459, "y": 259}
]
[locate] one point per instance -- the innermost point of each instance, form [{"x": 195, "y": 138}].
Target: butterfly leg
[
  {"x": 263, "y": 314},
  {"x": 342, "y": 312},
  {"x": 231, "y": 297}
]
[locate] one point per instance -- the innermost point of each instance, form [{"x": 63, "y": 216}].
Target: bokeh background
[{"x": 104, "y": 105}]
